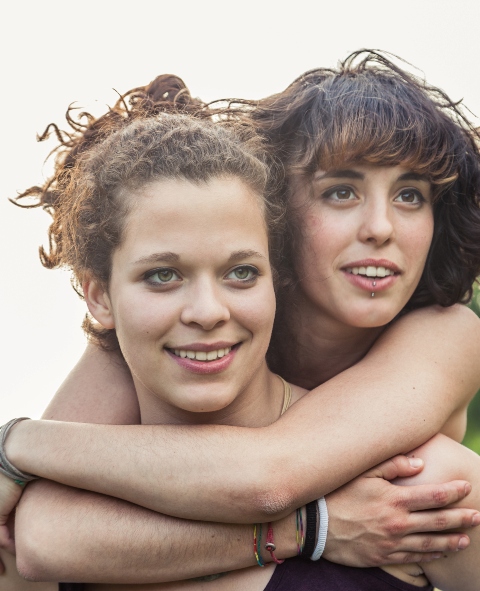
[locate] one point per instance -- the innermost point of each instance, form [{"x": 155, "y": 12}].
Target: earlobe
[{"x": 98, "y": 303}]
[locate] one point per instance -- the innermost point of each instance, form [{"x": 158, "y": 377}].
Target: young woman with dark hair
[{"x": 393, "y": 152}]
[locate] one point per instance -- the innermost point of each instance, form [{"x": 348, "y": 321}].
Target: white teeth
[
  {"x": 202, "y": 355},
  {"x": 370, "y": 271}
]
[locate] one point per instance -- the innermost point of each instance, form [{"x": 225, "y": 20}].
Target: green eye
[
  {"x": 162, "y": 276},
  {"x": 244, "y": 274}
]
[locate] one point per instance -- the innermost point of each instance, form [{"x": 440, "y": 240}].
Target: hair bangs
[{"x": 369, "y": 118}]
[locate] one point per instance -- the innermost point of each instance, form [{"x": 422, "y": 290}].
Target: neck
[
  {"x": 319, "y": 348},
  {"x": 257, "y": 405}
]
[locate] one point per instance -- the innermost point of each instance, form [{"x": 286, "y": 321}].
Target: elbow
[
  {"x": 35, "y": 556},
  {"x": 275, "y": 495}
]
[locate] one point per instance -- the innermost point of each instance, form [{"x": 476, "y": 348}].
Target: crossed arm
[{"x": 234, "y": 474}]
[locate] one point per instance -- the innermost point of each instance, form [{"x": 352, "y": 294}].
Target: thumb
[{"x": 397, "y": 467}]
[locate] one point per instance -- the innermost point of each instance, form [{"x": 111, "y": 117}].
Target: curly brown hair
[
  {"x": 368, "y": 110},
  {"x": 96, "y": 193}
]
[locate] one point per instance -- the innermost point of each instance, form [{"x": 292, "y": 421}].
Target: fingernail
[
  {"x": 476, "y": 519},
  {"x": 415, "y": 462},
  {"x": 463, "y": 543},
  {"x": 468, "y": 488}
]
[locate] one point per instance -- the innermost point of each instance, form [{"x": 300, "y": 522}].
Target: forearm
[
  {"x": 356, "y": 420},
  {"x": 74, "y": 535},
  {"x": 446, "y": 459}
]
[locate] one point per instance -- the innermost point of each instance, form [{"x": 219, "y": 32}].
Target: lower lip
[
  {"x": 205, "y": 367},
  {"x": 366, "y": 283}
]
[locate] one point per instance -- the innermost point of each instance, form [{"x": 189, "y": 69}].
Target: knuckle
[
  {"x": 441, "y": 521},
  {"x": 440, "y": 495},
  {"x": 397, "y": 527},
  {"x": 427, "y": 544}
]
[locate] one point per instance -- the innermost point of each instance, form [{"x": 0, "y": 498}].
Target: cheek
[{"x": 418, "y": 241}]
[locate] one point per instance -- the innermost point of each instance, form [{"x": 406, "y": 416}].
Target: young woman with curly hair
[{"x": 381, "y": 186}]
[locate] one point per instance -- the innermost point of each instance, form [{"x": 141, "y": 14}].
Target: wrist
[
  {"x": 285, "y": 537},
  {"x": 14, "y": 444}
]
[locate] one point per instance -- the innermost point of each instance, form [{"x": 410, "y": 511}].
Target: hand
[
  {"x": 10, "y": 493},
  {"x": 373, "y": 522}
]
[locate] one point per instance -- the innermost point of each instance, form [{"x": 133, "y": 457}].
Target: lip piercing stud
[
  {"x": 373, "y": 294},
  {"x": 374, "y": 283}
]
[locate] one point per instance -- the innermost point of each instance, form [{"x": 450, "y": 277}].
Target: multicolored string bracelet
[
  {"x": 300, "y": 534},
  {"x": 270, "y": 545},
  {"x": 256, "y": 543}
]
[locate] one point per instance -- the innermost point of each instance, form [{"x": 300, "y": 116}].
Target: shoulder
[{"x": 451, "y": 325}]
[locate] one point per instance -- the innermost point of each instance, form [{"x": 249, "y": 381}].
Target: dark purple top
[{"x": 298, "y": 574}]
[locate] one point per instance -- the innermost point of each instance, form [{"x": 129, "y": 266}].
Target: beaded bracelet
[{"x": 270, "y": 545}]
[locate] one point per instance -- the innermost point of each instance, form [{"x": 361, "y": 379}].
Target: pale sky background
[{"x": 54, "y": 53}]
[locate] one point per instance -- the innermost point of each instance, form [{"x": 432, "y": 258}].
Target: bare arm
[
  {"x": 447, "y": 459},
  {"x": 421, "y": 372},
  {"x": 75, "y": 535}
]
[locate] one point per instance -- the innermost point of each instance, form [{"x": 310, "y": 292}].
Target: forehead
[{"x": 184, "y": 217}]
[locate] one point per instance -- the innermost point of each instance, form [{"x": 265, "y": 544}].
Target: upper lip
[
  {"x": 374, "y": 263},
  {"x": 203, "y": 346}
]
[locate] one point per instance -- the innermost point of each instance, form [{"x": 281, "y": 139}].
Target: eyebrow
[
  {"x": 413, "y": 176},
  {"x": 168, "y": 257},
  {"x": 172, "y": 257},
  {"x": 240, "y": 255},
  {"x": 346, "y": 173}
]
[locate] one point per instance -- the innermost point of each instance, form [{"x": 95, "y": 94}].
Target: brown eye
[
  {"x": 409, "y": 196},
  {"x": 339, "y": 194}
]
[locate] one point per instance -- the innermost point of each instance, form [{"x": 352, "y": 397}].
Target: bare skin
[
  {"x": 279, "y": 503},
  {"x": 60, "y": 406}
]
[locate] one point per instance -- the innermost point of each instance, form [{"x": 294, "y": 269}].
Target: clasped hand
[{"x": 373, "y": 522}]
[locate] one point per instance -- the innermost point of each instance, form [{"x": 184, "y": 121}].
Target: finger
[
  {"x": 432, "y": 496},
  {"x": 397, "y": 467},
  {"x": 441, "y": 520},
  {"x": 6, "y": 541},
  {"x": 409, "y": 557},
  {"x": 426, "y": 544}
]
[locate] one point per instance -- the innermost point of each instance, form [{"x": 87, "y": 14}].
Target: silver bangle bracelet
[{"x": 6, "y": 467}]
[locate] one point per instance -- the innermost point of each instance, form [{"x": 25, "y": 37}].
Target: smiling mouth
[
  {"x": 205, "y": 356},
  {"x": 370, "y": 271}
]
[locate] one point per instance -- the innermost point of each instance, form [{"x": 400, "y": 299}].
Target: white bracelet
[{"x": 322, "y": 529}]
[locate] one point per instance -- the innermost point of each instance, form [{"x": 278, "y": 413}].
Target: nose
[
  {"x": 377, "y": 225},
  {"x": 205, "y": 306}
]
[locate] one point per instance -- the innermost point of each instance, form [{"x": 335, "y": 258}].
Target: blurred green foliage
[{"x": 472, "y": 438}]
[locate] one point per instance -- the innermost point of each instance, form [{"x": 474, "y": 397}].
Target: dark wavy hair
[{"x": 369, "y": 110}]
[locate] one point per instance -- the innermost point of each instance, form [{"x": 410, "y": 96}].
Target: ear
[{"x": 98, "y": 303}]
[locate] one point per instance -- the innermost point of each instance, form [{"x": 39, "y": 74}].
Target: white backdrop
[{"x": 54, "y": 52}]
